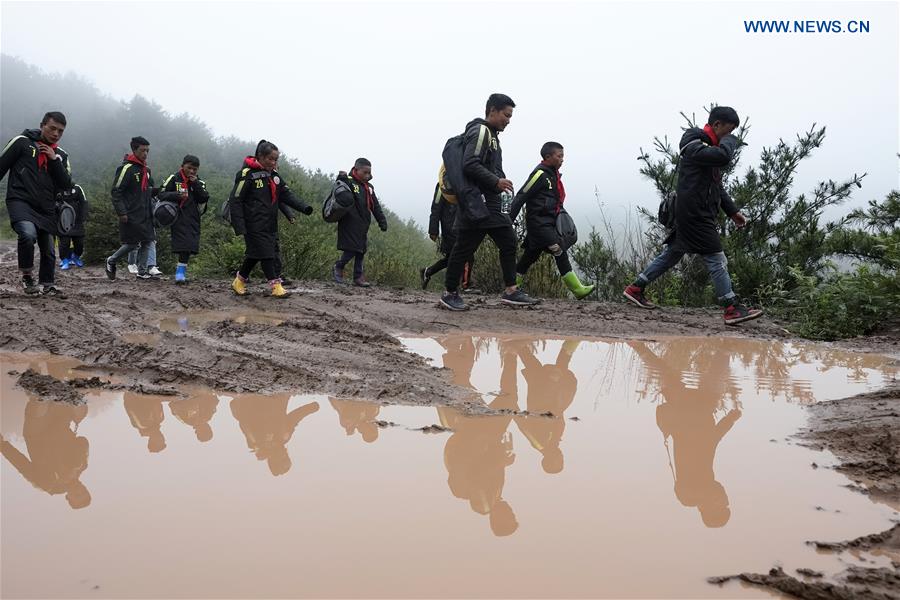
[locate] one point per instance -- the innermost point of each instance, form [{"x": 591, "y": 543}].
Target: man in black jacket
[
  {"x": 353, "y": 228},
  {"x": 131, "y": 195},
  {"x": 38, "y": 169},
  {"x": 440, "y": 225},
  {"x": 483, "y": 166},
  {"x": 700, "y": 195}
]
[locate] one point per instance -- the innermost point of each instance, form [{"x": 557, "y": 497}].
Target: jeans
[
  {"x": 151, "y": 254},
  {"x": 716, "y": 264},
  {"x": 467, "y": 243},
  {"x": 140, "y": 250},
  {"x": 346, "y": 257},
  {"x": 28, "y": 235}
]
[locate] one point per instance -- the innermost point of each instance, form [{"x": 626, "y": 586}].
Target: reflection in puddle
[
  {"x": 622, "y": 468},
  {"x": 194, "y": 320}
]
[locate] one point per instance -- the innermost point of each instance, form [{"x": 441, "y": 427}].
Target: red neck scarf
[
  {"x": 144, "y": 177},
  {"x": 559, "y": 186},
  {"x": 712, "y": 134},
  {"x": 42, "y": 158},
  {"x": 370, "y": 202},
  {"x": 186, "y": 183},
  {"x": 251, "y": 162}
]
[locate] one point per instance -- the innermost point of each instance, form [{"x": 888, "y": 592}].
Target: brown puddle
[{"x": 677, "y": 468}]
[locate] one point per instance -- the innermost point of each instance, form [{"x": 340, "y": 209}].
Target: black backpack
[
  {"x": 565, "y": 228},
  {"x": 332, "y": 209},
  {"x": 470, "y": 199}
]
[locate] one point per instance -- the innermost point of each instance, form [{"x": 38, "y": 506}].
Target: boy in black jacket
[
  {"x": 37, "y": 169},
  {"x": 543, "y": 197},
  {"x": 186, "y": 228},
  {"x": 353, "y": 228},
  {"x": 700, "y": 196},
  {"x": 71, "y": 243},
  {"x": 440, "y": 224}
]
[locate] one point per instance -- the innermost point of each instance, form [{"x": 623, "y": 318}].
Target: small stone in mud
[
  {"x": 809, "y": 572},
  {"x": 384, "y": 424},
  {"x": 547, "y": 414},
  {"x": 432, "y": 429},
  {"x": 574, "y": 419},
  {"x": 815, "y": 466}
]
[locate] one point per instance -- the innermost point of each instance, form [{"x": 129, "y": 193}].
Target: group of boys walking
[{"x": 40, "y": 176}]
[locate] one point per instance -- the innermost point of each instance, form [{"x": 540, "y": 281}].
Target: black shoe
[
  {"x": 423, "y": 274},
  {"x": 53, "y": 291},
  {"x": 30, "y": 287},
  {"x": 285, "y": 282},
  {"x": 110, "y": 270},
  {"x": 452, "y": 301},
  {"x": 519, "y": 298}
]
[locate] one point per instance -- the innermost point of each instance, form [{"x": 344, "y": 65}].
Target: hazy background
[{"x": 392, "y": 81}]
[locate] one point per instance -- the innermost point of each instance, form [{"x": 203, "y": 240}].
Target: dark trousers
[
  {"x": 357, "y": 257},
  {"x": 529, "y": 257},
  {"x": 28, "y": 234},
  {"x": 268, "y": 267},
  {"x": 279, "y": 262},
  {"x": 70, "y": 245},
  {"x": 441, "y": 264},
  {"x": 467, "y": 243}
]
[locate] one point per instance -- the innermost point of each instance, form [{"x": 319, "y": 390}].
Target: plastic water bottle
[{"x": 506, "y": 199}]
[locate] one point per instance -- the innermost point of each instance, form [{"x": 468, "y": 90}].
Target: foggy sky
[{"x": 392, "y": 81}]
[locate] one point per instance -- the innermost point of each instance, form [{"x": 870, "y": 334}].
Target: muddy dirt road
[{"x": 324, "y": 339}]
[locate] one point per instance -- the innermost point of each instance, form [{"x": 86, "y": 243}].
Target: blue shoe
[
  {"x": 64, "y": 264},
  {"x": 181, "y": 274},
  {"x": 76, "y": 260}
]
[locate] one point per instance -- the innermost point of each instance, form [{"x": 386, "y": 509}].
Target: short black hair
[
  {"x": 55, "y": 115},
  {"x": 264, "y": 148},
  {"x": 725, "y": 114},
  {"x": 361, "y": 162},
  {"x": 497, "y": 102},
  {"x": 549, "y": 148},
  {"x": 190, "y": 159},
  {"x": 138, "y": 141}
]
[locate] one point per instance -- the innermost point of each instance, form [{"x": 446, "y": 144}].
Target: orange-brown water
[{"x": 678, "y": 467}]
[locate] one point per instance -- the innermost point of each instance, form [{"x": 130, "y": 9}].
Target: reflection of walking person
[
  {"x": 688, "y": 416},
  {"x": 146, "y": 414},
  {"x": 196, "y": 412},
  {"x": 480, "y": 448},
  {"x": 551, "y": 388},
  {"x": 58, "y": 455},
  {"x": 268, "y": 426},
  {"x": 357, "y": 416}
]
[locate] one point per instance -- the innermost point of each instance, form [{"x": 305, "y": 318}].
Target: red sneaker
[
  {"x": 636, "y": 295},
  {"x": 738, "y": 313}
]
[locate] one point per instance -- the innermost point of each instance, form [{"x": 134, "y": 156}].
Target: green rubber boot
[{"x": 575, "y": 286}]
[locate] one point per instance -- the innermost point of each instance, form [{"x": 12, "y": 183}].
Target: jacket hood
[
  {"x": 480, "y": 121},
  {"x": 32, "y": 134},
  {"x": 694, "y": 133}
]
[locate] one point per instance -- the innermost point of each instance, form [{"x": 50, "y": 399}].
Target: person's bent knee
[{"x": 26, "y": 231}]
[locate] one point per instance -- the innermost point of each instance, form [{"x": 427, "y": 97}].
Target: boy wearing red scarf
[
  {"x": 132, "y": 192},
  {"x": 543, "y": 197},
  {"x": 192, "y": 195},
  {"x": 700, "y": 196},
  {"x": 353, "y": 228},
  {"x": 37, "y": 168}
]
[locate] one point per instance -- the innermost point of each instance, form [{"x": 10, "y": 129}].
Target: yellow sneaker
[
  {"x": 278, "y": 290},
  {"x": 239, "y": 286}
]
